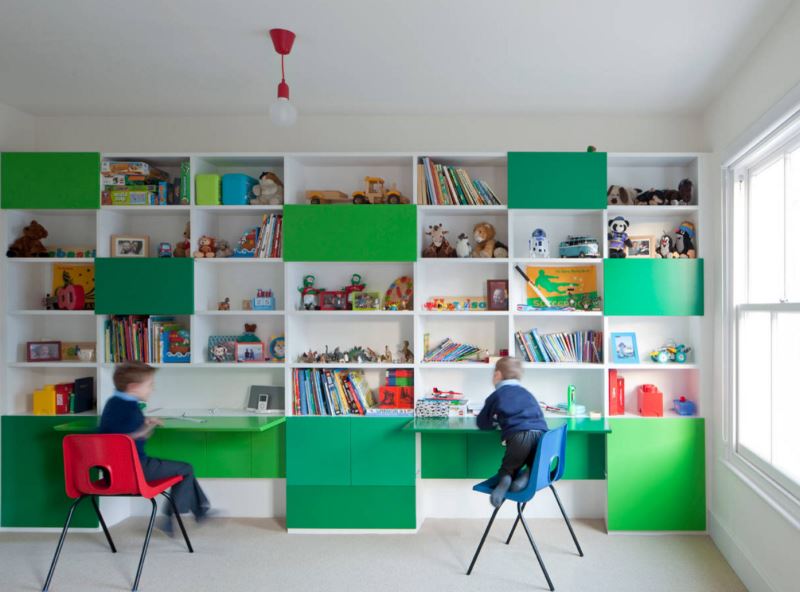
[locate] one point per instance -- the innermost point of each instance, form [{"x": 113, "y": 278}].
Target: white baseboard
[{"x": 737, "y": 557}]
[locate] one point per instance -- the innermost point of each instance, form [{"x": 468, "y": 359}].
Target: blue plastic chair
[{"x": 548, "y": 467}]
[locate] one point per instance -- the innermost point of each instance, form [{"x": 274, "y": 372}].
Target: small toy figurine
[
  {"x": 309, "y": 295},
  {"x": 617, "y": 195},
  {"x": 618, "y": 237},
  {"x": 223, "y": 249},
  {"x": 224, "y": 304},
  {"x": 205, "y": 247},
  {"x": 164, "y": 250},
  {"x": 247, "y": 304},
  {"x": 486, "y": 245},
  {"x": 387, "y": 355},
  {"x": 406, "y": 355},
  {"x": 30, "y": 243},
  {"x": 539, "y": 245},
  {"x": 356, "y": 285},
  {"x": 665, "y": 248},
  {"x": 439, "y": 246},
  {"x": 463, "y": 248},
  {"x": 184, "y": 247},
  {"x": 269, "y": 190},
  {"x": 684, "y": 245}
]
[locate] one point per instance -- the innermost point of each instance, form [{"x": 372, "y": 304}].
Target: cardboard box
[
  {"x": 110, "y": 168},
  {"x": 135, "y": 195}
]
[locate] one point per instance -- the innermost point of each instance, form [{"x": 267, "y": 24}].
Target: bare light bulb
[{"x": 282, "y": 112}]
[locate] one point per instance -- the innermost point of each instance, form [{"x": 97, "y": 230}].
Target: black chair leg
[
  {"x": 483, "y": 538},
  {"x": 178, "y": 518},
  {"x": 514, "y": 527},
  {"x": 569, "y": 525},
  {"x": 61, "y": 543},
  {"x": 535, "y": 550},
  {"x": 103, "y": 524},
  {"x": 146, "y": 544}
]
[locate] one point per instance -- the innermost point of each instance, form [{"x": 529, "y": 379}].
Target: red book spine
[
  {"x": 613, "y": 395},
  {"x": 621, "y": 395}
]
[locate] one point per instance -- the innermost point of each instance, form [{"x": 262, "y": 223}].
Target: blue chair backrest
[{"x": 549, "y": 462}]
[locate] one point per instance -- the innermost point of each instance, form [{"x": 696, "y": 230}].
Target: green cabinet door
[
  {"x": 182, "y": 446},
  {"x": 50, "y": 180},
  {"x": 349, "y": 232},
  {"x": 269, "y": 454},
  {"x": 32, "y": 478},
  {"x": 318, "y": 451},
  {"x": 557, "y": 180},
  {"x": 653, "y": 287},
  {"x": 330, "y": 506},
  {"x": 656, "y": 474},
  {"x": 229, "y": 455},
  {"x": 444, "y": 456},
  {"x": 484, "y": 454},
  {"x": 381, "y": 452},
  {"x": 585, "y": 456},
  {"x": 144, "y": 286}
]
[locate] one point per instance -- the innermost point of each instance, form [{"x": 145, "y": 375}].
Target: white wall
[
  {"x": 17, "y": 129},
  {"x": 761, "y": 545}
]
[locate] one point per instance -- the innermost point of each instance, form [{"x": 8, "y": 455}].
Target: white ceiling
[{"x": 195, "y": 57}]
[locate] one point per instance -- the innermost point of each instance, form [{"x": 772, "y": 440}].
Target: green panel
[
  {"x": 32, "y": 481},
  {"x": 269, "y": 454},
  {"x": 656, "y": 474},
  {"x": 653, "y": 287},
  {"x": 484, "y": 453},
  {"x": 186, "y": 447},
  {"x": 50, "y": 180},
  {"x": 229, "y": 455},
  {"x": 350, "y": 507},
  {"x": 144, "y": 286},
  {"x": 349, "y": 233},
  {"x": 557, "y": 180},
  {"x": 381, "y": 452},
  {"x": 444, "y": 456},
  {"x": 318, "y": 451},
  {"x": 586, "y": 456}
]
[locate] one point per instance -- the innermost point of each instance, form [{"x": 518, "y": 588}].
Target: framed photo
[
  {"x": 43, "y": 351},
  {"x": 277, "y": 348},
  {"x": 248, "y": 352},
  {"x": 78, "y": 351},
  {"x": 623, "y": 348},
  {"x": 643, "y": 247},
  {"x": 366, "y": 300},
  {"x": 221, "y": 348},
  {"x": 130, "y": 246},
  {"x": 332, "y": 301},
  {"x": 497, "y": 294}
]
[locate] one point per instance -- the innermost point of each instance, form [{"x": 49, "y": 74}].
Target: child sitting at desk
[
  {"x": 521, "y": 420},
  {"x": 133, "y": 382}
]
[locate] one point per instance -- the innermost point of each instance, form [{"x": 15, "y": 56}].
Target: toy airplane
[{"x": 437, "y": 394}]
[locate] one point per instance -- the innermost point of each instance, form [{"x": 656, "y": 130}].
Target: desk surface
[
  {"x": 208, "y": 424},
  {"x": 456, "y": 425}
]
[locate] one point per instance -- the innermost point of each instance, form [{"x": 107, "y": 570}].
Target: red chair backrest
[{"x": 115, "y": 454}]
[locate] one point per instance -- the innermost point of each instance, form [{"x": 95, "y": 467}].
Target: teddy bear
[
  {"x": 618, "y": 195},
  {"x": 269, "y": 190},
  {"x": 618, "y": 237},
  {"x": 486, "y": 245},
  {"x": 205, "y": 247},
  {"x": 439, "y": 246},
  {"x": 183, "y": 248},
  {"x": 223, "y": 249},
  {"x": 30, "y": 243}
]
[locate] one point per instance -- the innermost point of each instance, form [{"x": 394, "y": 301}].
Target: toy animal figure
[
  {"x": 618, "y": 237},
  {"x": 224, "y": 304},
  {"x": 539, "y": 245},
  {"x": 269, "y": 190},
  {"x": 665, "y": 247},
  {"x": 387, "y": 355},
  {"x": 681, "y": 196},
  {"x": 205, "y": 247},
  {"x": 684, "y": 241},
  {"x": 486, "y": 246},
  {"x": 651, "y": 197},
  {"x": 30, "y": 243},
  {"x": 463, "y": 248},
  {"x": 406, "y": 355},
  {"x": 618, "y": 195},
  {"x": 439, "y": 246},
  {"x": 183, "y": 248},
  {"x": 223, "y": 249}
]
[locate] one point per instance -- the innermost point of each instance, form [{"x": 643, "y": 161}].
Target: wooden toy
[
  {"x": 70, "y": 252},
  {"x": 309, "y": 295},
  {"x": 224, "y": 304},
  {"x": 205, "y": 247},
  {"x": 439, "y": 246},
  {"x": 400, "y": 294},
  {"x": 326, "y": 196},
  {"x": 375, "y": 192},
  {"x": 184, "y": 247},
  {"x": 456, "y": 303},
  {"x": 269, "y": 190},
  {"x": 30, "y": 243},
  {"x": 247, "y": 304},
  {"x": 486, "y": 245}
]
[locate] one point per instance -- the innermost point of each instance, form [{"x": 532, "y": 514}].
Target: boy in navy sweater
[
  {"x": 521, "y": 420},
  {"x": 133, "y": 382}
]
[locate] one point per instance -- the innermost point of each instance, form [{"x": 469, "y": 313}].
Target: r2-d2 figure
[{"x": 539, "y": 245}]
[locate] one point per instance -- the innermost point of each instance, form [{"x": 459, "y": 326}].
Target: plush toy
[
  {"x": 463, "y": 248},
  {"x": 618, "y": 237},
  {"x": 205, "y": 247},
  {"x": 622, "y": 196},
  {"x": 30, "y": 243},
  {"x": 183, "y": 248},
  {"x": 539, "y": 245},
  {"x": 249, "y": 335},
  {"x": 486, "y": 246},
  {"x": 651, "y": 197},
  {"x": 269, "y": 190},
  {"x": 681, "y": 196},
  {"x": 439, "y": 246},
  {"x": 665, "y": 247},
  {"x": 223, "y": 249},
  {"x": 684, "y": 241}
]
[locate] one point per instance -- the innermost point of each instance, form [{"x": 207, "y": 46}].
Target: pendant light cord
[{"x": 283, "y": 72}]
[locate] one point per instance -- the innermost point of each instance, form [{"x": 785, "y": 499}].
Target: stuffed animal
[
  {"x": 205, "y": 247},
  {"x": 684, "y": 241},
  {"x": 463, "y": 248},
  {"x": 486, "y": 246},
  {"x": 30, "y": 243},
  {"x": 439, "y": 246},
  {"x": 183, "y": 248},
  {"x": 618, "y": 237},
  {"x": 223, "y": 249},
  {"x": 622, "y": 196},
  {"x": 269, "y": 190},
  {"x": 651, "y": 197},
  {"x": 665, "y": 247},
  {"x": 681, "y": 196}
]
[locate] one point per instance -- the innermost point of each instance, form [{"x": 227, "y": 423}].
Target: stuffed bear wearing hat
[
  {"x": 618, "y": 237},
  {"x": 269, "y": 190}
]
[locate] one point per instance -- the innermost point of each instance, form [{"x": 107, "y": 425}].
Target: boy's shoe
[
  {"x": 500, "y": 491},
  {"x": 166, "y": 524},
  {"x": 520, "y": 482}
]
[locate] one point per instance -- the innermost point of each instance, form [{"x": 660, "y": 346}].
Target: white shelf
[
  {"x": 558, "y": 261},
  {"x": 668, "y": 414},
  {"x": 650, "y": 210},
  {"x": 239, "y": 209},
  {"x": 562, "y": 366},
  {"x": 462, "y": 260},
  {"x": 53, "y": 365},
  {"x": 107, "y": 365},
  {"x": 558, "y": 313},
  {"x": 54, "y": 313},
  {"x": 148, "y": 209},
  {"x": 50, "y": 259},
  {"x": 247, "y": 260},
  {"x": 227, "y": 365},
  {"x": 463, "y": 210},
  {"x": 355, "y": 365},
  {"x": 352, "y": 313},
  {"x": 450, "y": 365},
  {"x": 239, "y": 313},
  {"x": 653, "y": 366},
  {"x": 463, "y": 313}
]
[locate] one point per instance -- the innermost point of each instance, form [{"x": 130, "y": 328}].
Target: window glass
[{"x": 765, "y": 234}]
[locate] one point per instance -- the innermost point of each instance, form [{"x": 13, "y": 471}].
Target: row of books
[
  {"x": 330, "y": 392},
  {"x": 269, "y": 236},
  {"x": 450, "y": 351},
  {"x": 445, "y": 185},
  {"x": 149, "y": 339},
  {"x": 577, "y": 346}
]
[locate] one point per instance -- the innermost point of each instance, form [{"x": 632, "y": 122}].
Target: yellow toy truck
[{"x": 375, "y": 192}]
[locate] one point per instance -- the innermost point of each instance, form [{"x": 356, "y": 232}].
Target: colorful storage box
[
  {"x": 685, "y": 407},
  {"x": 650, "y": 401},
  {"x": 136, "y": 195},
  {"x": 207, "y": 189},
  {"x": 237, "y": 189}
]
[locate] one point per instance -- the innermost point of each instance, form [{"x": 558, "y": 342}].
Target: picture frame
[
  {"x": 127, "y": 245},
  {"x": 643, "y": 247},
  {"x": 222, "y": 348},
  {"x": 366, "y": 300},
  {"x": 497, "y": 294},
  {"x": 332, "y": 300},
  {"x": 78, "y": 351},
  {"x": 248, "y": 352},
  {"x": 43, "y": 351},
  {"x": 624, "y": 349},
  {"x": 277, "y": 348}
]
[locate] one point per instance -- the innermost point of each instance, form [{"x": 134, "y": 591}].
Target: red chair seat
[{"x": 154, "y": 488}]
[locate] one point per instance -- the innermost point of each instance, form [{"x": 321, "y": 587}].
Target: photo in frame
[
  {"x": 78, "y": 351},
  {"x": 221, "y": 348},
  {"x": 249, "y": 352},
  {"x": 43, "y": 351},
  {"x": 497, "y": 294},
  {"x": 624, "y": 349},
  {"x": 332, "y": 300},
  {"x": 130, "y": 246},
  {"x": 643, "y": 247},
  {"x": 366, "y": 300}
]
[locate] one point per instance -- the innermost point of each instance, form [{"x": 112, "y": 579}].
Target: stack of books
[
  {"x": 577, "y": 346},
  {"x": 269, "y": 236},
  {"x": 450, "y": 186},
  {"x": 136, "y": 183},
  {"x": 450, "y": 351},
  {"x": 153, "y": 340},
  {"x": 329, "y": 392}
]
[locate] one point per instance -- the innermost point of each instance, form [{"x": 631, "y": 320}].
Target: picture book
[
  {"x": 80, "y": 275},
  {"x": 561, "y": 286}
]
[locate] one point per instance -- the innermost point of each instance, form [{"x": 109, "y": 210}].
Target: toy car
[
  {"x": 375, "y": 192},
  {"x": 326, "y": 196},
  {"x": 165, "y": 250},
  {"x": 579, "y": 246},
  {"x": 671, "y": 352}
]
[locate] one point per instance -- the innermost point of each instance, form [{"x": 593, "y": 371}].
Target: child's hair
[
  {"x": 130, "y": 373},
  {"x": 509, "y": 368}
]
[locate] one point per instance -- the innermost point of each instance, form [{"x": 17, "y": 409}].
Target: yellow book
[{"x": 44, "y": 401}]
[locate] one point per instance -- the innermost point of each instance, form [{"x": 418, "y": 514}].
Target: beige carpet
[{"x": 234, "y": 554}]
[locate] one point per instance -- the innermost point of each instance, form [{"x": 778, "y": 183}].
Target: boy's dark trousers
[
  {"x": 520, "y": 450},
  {"x": 188, "y": 494}
]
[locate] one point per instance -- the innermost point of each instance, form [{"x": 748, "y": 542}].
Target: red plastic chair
[{"x": 115, "y": 456}]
